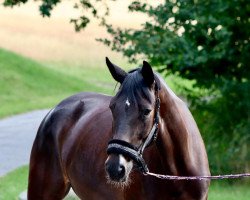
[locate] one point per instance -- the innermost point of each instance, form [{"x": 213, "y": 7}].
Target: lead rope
[{"x": 170, "y": 177}]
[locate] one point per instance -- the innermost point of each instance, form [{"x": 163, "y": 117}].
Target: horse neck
[{"x": 175, "y": 124}]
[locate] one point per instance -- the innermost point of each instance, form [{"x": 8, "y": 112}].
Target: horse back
[{"x": 58, "y": 123}]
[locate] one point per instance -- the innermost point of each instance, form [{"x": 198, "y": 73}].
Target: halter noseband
[{"x": 135, "y": 153}]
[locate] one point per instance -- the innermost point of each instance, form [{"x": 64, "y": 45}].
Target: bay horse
[{"x": 85, "y": 143}]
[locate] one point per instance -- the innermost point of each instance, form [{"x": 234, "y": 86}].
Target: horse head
[{"x": 133, "y": 109}]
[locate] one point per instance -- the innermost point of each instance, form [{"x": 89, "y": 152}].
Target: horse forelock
[{"x": 134, "y": 88}]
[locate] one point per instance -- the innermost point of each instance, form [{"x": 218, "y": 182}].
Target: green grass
[
  {"x": 220, "y": 190},
  {"x": 26, "y": 85},
  {"x": 12, "y": 184}
]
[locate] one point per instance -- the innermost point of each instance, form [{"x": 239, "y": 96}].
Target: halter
[{"x": 116, "y": 146}]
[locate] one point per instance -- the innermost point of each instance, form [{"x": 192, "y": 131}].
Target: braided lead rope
[{"x": 170, "y": 177}]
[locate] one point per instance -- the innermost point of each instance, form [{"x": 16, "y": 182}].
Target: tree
[
  {"x": 82, "y": 21},
  {"x": 208, "y": 42},
  {"x": 200, "y": 40}
]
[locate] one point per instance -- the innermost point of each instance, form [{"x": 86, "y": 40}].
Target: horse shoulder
[{"x": 197, "y": 161}]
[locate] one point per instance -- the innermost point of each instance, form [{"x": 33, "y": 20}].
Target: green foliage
[
  {"x": 208, "y": 42},
  {"x": 14, "y": 2},
  {"x": 87, "y": 6},
  {"x": 45, "y": 8},
  {"x": 225, "y": 123}
]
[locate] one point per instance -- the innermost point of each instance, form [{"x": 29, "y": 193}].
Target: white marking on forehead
[{"x": 127, "y": 102}]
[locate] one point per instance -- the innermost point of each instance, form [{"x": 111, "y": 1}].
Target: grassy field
[
  {"x": 15, "y": 182},
  {"x": 28, "y": 85},
  {"x": 67, "y": 62}
]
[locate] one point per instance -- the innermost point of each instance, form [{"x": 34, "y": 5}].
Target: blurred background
[{"x": 52, "y": 49}]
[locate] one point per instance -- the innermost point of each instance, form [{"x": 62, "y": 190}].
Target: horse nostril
[
  {"x": 115, "y": 172},
  {"x": 116, "y": 168},
  {"x": 121, "y": 171}
]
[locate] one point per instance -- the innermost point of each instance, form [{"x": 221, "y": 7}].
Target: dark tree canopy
[{"x": 207, "y": 41}]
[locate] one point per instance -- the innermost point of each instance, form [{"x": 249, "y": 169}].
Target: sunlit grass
[
  {"x": 12, "y": 184},
  {"x": 220, "y": 190},
  {"x": 28, "y": 85}
]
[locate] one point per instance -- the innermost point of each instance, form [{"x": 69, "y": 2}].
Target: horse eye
[{"x": 146, "y": 112}]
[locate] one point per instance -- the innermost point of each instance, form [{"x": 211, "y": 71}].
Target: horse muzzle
[{"x": 118, "y": 168}]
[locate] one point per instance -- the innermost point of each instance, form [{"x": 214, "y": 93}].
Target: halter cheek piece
[{"x": 135, "y": 153}]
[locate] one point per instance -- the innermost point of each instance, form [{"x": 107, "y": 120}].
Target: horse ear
[
  {"x": 147, "y": 73},
  {"x": 117, "y": 73}
]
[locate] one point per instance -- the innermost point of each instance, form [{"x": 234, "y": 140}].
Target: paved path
[{"x": 17, "y": 134}]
